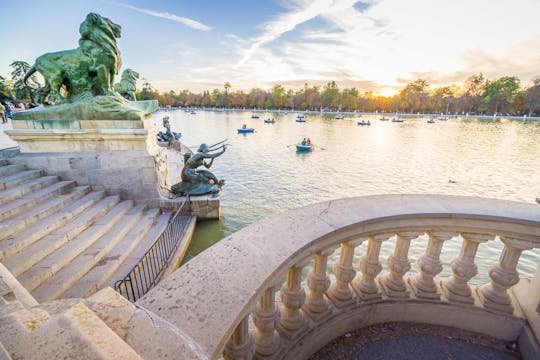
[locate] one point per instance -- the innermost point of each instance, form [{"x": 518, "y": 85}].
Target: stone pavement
[
  {"x": 5, "y": 141},
  {"x": 406, "y": 341}
]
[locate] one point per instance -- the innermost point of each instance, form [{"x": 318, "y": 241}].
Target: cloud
[
  {"x": 165, "y": 15},
  {"x": 378, "y": 43},
  {"x": 285, "y": 23}
]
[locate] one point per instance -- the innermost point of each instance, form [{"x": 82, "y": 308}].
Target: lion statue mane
[
  {"x": 83, "y": 72},
  {"x": 128, "y": 84}
]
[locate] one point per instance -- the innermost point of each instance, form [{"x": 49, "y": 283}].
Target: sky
[{"x": 373, "y": 45}]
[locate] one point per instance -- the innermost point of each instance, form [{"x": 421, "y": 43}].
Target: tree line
[{"x": 477, "y": 95}]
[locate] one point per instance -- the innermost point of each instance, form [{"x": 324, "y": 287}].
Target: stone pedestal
[{"x": 120, "y": 156}]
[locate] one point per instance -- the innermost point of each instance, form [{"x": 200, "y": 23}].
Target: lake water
[{"x": 265, "y": 175}]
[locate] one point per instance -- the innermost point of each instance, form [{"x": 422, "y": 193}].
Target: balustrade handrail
[
  {"x": 148, "y": 270},
  {"x": 222, "y": 285}
]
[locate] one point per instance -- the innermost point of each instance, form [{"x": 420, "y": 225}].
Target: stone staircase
[
  {"x": 61, "y": 240},
  {"x": 103, "y": 326}
]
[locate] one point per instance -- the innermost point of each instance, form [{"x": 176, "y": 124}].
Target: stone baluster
[
  {"x": 393, "y": 282},
  {"x": 456, "y": 288},
  {"x": 503, "y": 275},
  {"x": 340, "y": 293},
  {"x": 292, "y": 321},
  {"x": 265, "y": 319},
  {"x": 240, "y": 345},
  {"x": 318, "y": 282},
  {"x": 364, "y": 285},
  {"x": 430, "y": 265}
]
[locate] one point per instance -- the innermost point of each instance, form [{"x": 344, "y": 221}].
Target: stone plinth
[
  {"x": 207, "y": 207},
  {"x": 117, "y": 155},
  {"x": 130, "y": 174}
]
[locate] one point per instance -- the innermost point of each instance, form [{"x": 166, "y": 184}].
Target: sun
[{"x": 387, "y": 92}]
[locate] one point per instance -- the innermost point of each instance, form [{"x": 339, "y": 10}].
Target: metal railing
[{"x": 145, "y": 274}]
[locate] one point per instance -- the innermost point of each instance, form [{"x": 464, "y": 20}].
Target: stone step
[
  {"x": 51, "y": 264},
  {"x": 19, "y": 178},
  {"x": 6, "y": 170},
  {"x": 105, "y": 271},
  {"x": 18, "y": 223},
  {"x": 31, "y": 200},
  {"x": 35, "y": 185},
  {"x": 4, "y": 355},
  {"x": 73, "y": 333},
  {"x": 72, "y": 273},
  {"x": 137, "y": 254},
  {"x": 59, "y": 219},
  {"x": 45, "y": 246}
]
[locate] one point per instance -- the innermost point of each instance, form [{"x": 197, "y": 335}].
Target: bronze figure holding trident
[{"x": 200, "y": 182}]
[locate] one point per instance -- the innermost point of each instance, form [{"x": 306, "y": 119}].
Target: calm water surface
[{"x": 265, "y": 175}]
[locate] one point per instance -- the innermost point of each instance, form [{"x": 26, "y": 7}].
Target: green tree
[
  {"x": 531, "y": 96},
  {"x": 414, "y": 97},
  {"x": 217, "y": 99},
  {"x": 330, "y": 95},
  {"x": 498, "y": 94},
  {"x": 6, "y": 91},
  {"x": 349, "y": 99},
  {"x": 147, "y": 92},
  {"x": 473, "y": 89},
  {"x": 23, "y": 91},
  {"x": 442, "y": 98},
  {"x": 226, "y": 86},
  {"x": 278, "y": 96}
]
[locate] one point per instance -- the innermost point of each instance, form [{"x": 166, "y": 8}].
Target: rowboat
[
  {"x": 269, "y": 121},
  {"x": 254, "y": 116},
  {"x": 363, "y": 123},
  {"x": 431, "y": 121},
  {"x": 245, "y": 131},
  {"x": 398, "y": 120},
  {"x": 339, "y": 117},
  {"x": 304, "y": 148},
  {"x": 300, "y": 120},
  {"x": 384, "y": 119}
]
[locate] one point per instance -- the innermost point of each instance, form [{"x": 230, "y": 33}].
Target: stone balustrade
[{"x": 225, "y": 299}]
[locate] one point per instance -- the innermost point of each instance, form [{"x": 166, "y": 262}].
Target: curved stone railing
[{"x": 225, "y": 299}]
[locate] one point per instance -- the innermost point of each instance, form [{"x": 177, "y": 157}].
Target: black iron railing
[{"x": 150, "y": 267}]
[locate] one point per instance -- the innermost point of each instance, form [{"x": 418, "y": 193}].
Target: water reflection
[{"x": 265, "y": 175}]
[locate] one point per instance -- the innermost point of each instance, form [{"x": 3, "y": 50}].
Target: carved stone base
[
  {"x": 318, "y": 316},
  {"x": 292, "y": 334},
  {"x": 505, "y": 308},
  {"x": 363, "y": 295},
  {"x": 394, "y": 293},
  {"x": 453, "y": 297},
  {"x": 340, "y": 303},
  {"x": 422, "y": 294}
]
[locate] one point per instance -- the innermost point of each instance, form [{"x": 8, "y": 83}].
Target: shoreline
[{"x": 314, "y": 112}]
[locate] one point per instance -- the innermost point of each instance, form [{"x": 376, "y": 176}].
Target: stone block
[{"x": 84, "y": 162}]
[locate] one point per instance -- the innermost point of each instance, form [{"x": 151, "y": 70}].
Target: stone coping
[
  {"x": 77, "y": 124},
  {"x": 213, "y": 292}
]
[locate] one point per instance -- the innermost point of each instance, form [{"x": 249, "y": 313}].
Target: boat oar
[{"x": 318, "y": 147}]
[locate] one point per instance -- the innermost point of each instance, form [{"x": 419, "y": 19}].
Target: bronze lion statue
[
  {"x": 83, "y": 72},
  {"x": 128, "y": 84}
]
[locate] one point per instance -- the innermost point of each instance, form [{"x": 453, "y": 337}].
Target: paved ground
[
  {"x": 406, "y": 341},
  {"x": 5, "y": 141}
]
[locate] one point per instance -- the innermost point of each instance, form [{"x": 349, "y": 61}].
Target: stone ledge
[
  {"x": 80, "y": 140},
  {"x": 76, "y": 124}
]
